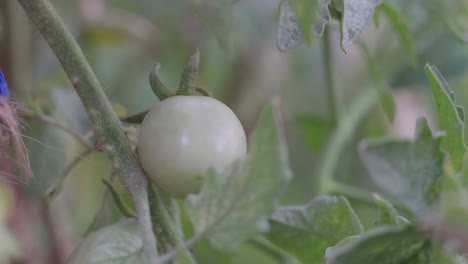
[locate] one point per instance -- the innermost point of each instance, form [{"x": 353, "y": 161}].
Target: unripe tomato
[{"x": 183, "y": 136}]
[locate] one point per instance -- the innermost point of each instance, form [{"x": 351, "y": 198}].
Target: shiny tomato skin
[{"x": 183, "y": 136}]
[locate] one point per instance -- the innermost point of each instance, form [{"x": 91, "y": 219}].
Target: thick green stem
[
  {"x": 103, "y": 118},
  {"x": 163, "y": 226},
  {"x": 329, "y": 80},
  {"x": 162, "y": 222}
]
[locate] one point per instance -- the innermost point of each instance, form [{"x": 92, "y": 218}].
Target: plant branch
[
  {"x": 95, "y": 223},
  {"x": 343, "y": 134},
  {"x": 57, "y": 254},
  {"x": 53, "y": 122},
  {"x": 163, "y": 226},
  {"x": 329, "y": 79},
  {"x": 57, "y": 187},
  {"x": 105, "y": 122},
  {"x": 123, "y": 208}
]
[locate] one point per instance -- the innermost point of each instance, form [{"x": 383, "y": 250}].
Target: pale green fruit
[{"x": 183, "y": 136}]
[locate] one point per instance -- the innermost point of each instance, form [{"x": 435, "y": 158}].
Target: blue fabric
[{"x": 3, "y": 86}]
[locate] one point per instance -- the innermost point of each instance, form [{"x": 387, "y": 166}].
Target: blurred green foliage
[{"x": 242, "y": 66}]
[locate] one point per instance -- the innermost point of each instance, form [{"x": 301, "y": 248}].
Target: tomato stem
[
  {"x": 329, "y": 78},
  {"x": 104, "y": 120},
  {"x": 164, "y": 227}
]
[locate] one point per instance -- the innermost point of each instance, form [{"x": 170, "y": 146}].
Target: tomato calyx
[
  {"x": 187, "y": 86},
  {"x": 189, "y": 76},
  {"x": 188, "y": 80}
]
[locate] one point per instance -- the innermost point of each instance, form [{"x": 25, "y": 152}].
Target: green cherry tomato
[{"x": 183, "y": 136}]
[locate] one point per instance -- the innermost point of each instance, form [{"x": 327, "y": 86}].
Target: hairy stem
[
  {"x": 105, "y": 122},
  {"x": 163, "y": 226},
  {"x": 329, "y": 80},
  {"x": 51, "y": 121}
]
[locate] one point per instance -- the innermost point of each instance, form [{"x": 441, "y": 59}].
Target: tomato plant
[{"x": 373, "y": 168}]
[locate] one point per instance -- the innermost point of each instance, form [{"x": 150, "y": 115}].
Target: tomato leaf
[
  {"x": 289, "y": 32},
  {"x": 322, "y": 17},
  {"x": 307, "y": 231},
  {"x": 451, "y": 117},
  {"x": 315, "y": 130},
  {"x": 409, "y": 171},
  {"x": 356, "y": 14},
  {"x": 120, "y": 242},
  {"x": 388, "y": 214},
  {"x": 304, "y": 11},
  {"x": 385, "y": 245},
  {"x": 298, "y": 19},
  {"x": 230, "y": 209},
  {"x": 388, "y": 245}
]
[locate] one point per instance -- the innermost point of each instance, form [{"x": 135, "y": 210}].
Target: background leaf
[
  {"x": 118, "y": 243},
  {"x": 388, "y": 213},
  {"x": 343, "y": 136},
  {"x": 299, "y": 19},
  {"x": 400, "y": 25},
  {"x": 304, "y": 11},
  {"x": 384, "y": 245},
  {"x": 323, "y": 17},
  {"x": 315, "y": 130},
  {"x": 231, "y": 209},
  {"x": 289, "y": 31},
  {"x": 307, "y": 231},
  {"x": 451, "y": 117},
  {"x": 356, "y": 14},
  {"x": 408, "y": 171}
]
